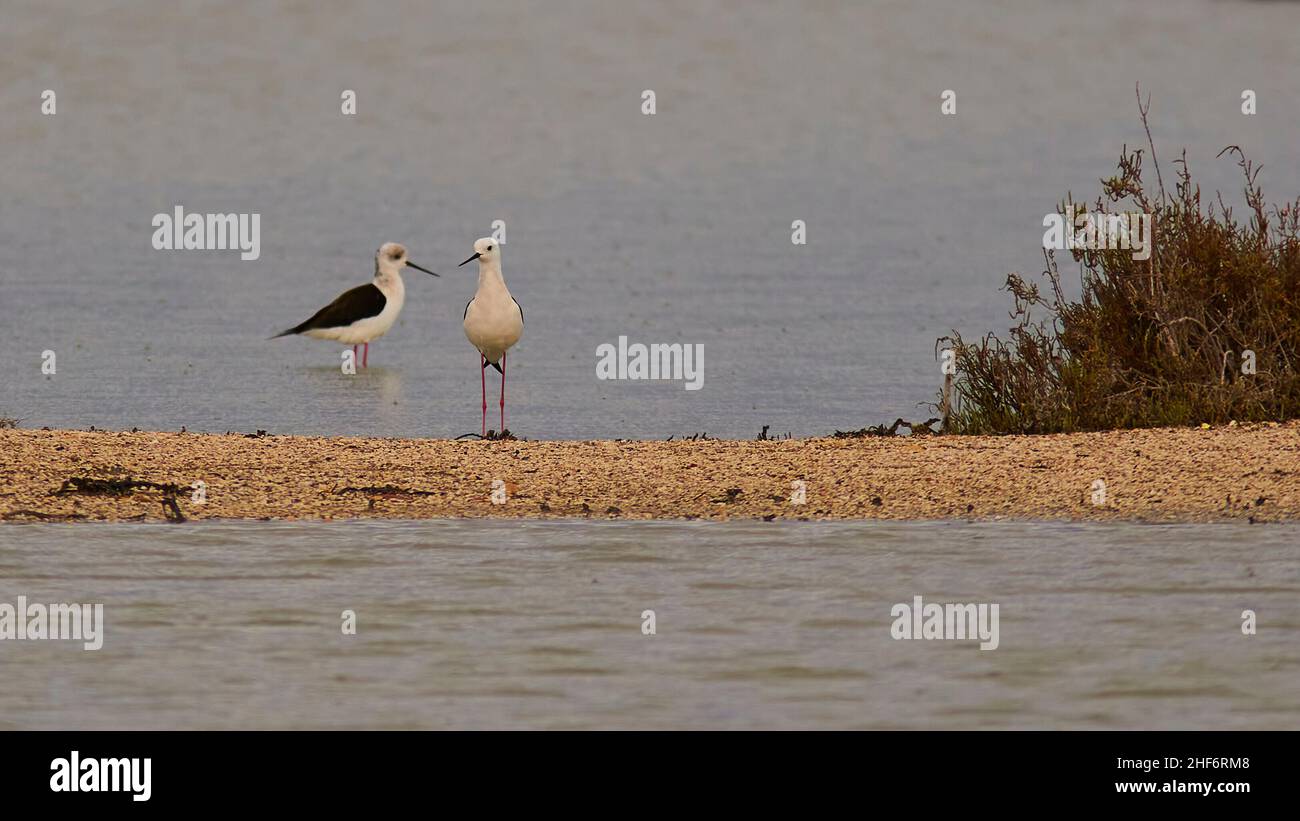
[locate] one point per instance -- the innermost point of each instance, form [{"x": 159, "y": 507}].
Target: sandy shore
[{"x": 1248, "y": 472}]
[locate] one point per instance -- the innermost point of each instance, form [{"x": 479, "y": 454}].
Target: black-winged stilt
[
  {"x": 493, "y": 319},
  {"x": 365, "y": 313}
]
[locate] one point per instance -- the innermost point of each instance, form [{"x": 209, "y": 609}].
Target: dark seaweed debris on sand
[
  {"x": 914, "y": 429},
  {"x": 113, "y": 487}
]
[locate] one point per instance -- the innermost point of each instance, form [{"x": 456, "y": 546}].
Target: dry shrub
[{"x": 1155, "y": 342}]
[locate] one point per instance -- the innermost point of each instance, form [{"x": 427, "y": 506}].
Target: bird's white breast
[{"x": 493, "y": 322}]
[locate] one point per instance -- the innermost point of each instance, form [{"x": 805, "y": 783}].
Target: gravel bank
[{"x": 1157, "y": 475}]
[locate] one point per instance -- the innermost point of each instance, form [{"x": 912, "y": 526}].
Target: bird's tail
[{"x": 289, "y": 332}]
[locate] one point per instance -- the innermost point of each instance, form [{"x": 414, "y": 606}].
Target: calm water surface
[
  {"x": 670, "y": 228},
  {"x": 538, "y": 625}
]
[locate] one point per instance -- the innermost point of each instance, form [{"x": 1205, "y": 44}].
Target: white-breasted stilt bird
[
  {"x": 493, "y": 319},
  {"x": 365, "y": 313}
]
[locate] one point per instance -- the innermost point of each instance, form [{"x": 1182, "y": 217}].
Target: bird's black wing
[
  {"x": 517, "y": 305},
  {"x": 466, "y": 314},
  {"x": 361, "y": 302}
]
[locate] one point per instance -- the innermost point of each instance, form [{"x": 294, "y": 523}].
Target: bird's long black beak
[
  {"x": 471, "y": 259},
  {"x": 418, "y": 268}
]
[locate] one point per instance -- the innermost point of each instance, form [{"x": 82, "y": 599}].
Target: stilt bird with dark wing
[{"x": 365, "y": 313}]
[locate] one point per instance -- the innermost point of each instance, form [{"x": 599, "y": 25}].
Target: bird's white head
[
  {"x": 391, "y": 258},
  {"x": 487, "y": 251}
]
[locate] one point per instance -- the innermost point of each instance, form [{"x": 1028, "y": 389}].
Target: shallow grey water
[
  {"x": 538, "y": 625},
  {"x": 666, "y": 228}
]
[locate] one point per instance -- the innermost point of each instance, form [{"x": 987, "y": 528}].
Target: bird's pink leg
[
  {"x": 354, "y": 355},
  {"x": 365, "y": 357},
  {"x": 503, "y": 393},
  {"x": 482, "y": 361}
]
